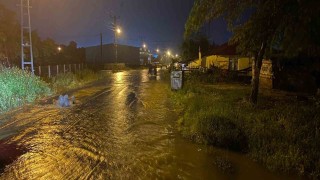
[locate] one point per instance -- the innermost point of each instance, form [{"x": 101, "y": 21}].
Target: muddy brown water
[{"x": 126, "y": 130}]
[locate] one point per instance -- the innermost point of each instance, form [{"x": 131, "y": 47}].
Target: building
[
  {"x": 224, "y": 57},
  {"x": 145, "y": 56},
  {"x": 100, "y": 55}
]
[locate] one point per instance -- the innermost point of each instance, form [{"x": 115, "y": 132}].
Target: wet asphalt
[{"x": 124, "y": 127}]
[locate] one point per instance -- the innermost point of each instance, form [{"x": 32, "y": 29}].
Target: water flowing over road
[{"x": 125, "y": 129}]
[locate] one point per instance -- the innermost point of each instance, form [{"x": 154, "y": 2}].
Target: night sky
[{"x": 158, "y": 23}]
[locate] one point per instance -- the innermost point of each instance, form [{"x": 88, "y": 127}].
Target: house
[{"x": 224, "y": 57}]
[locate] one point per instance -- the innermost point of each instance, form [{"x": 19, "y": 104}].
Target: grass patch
[
  {"x": 63, "y": 82},
  {"x": 19, "y": 87},
  {"x": 282, "y": 133}
]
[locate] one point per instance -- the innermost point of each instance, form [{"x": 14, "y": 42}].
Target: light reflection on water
[{"x": 126, "y": 133}]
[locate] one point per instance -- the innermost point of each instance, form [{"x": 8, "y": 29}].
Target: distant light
[
  {"x": 59, "y": 48},
  {"x": 169, "y": 53},
  {"x": 177, "y": 55},
  {"x": 158, "y": 50},
  {"x": 144, "y": 45}
]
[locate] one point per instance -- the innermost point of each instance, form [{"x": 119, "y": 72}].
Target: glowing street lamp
[
  {"x": 59, "y": 49},
  {"x": 169, "y": 53},
  {"x": 144, "y": 45},
  {"x": 158, "y": 50},
  {"x": 177, "y": 55},
  {"x": 118, "y": 30}
]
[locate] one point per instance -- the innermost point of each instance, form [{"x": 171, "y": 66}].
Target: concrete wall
[
  {"x": 221, "y": 62},
  {"x": 244, "y": 63},
  {"x": 218, "y": 61},
  {"x": 208, "y": 61},
  {"x": 195, "y": 64}
]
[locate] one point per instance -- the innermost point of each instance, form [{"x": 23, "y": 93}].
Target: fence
[{"x": 52, "y": 70}]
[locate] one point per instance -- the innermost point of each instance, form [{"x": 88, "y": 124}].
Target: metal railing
[{"x": 53, "y": 70}]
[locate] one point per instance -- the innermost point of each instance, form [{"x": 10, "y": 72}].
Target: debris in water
[{"x": 64, "y": 101}]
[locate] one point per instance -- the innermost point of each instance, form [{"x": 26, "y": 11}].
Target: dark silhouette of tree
[
  {"x": 74, "y": 54},
  {"x": 190, "y": 47},
  {"x": 9, "y": 34}
]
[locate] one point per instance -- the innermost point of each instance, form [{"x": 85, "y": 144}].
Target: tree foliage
[
  {"x": 293, "y": 25},
  {"x": 190, "y": 47},
  {"x": 9, "y": 28}
]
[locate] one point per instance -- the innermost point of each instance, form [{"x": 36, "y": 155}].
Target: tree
[
  {"x": 290, "y": 26},
  {"x": 9, "y": 33},
  {"x": 49, "y": 47},
  {"x": 36, "y": 47},
  {"x": 190, "y": 47}
]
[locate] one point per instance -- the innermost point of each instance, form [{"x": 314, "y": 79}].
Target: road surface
[{"x": 121, "y": 128}]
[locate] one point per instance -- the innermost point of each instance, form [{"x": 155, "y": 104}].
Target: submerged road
[{"x": 124, "y": 128}]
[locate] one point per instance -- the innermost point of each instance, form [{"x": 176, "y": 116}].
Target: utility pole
[
  {"x": 116, "y": 30},
  {"x": 101, "y": 58},
  {"x": 26, "y": 42},
  {"x": 115, "y": 37}
]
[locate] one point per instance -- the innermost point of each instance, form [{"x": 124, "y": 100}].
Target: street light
[
  {"x": 59, "y": 49},
  {"x": 144, "y": 45},
  {"x": 177, "y": 55},
  {"x": 169, "y": 53},
  {"x": 116, "y": 31},
  {"x": 158, "y": 50}
]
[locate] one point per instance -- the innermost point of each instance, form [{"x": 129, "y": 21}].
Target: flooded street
[{"x": 125, "y": 129}]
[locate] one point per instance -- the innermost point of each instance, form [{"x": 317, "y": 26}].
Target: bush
[
  {"x": 63, "y": 81},
  {"x": 206, "y": 117},
  {"x": 222, "y": 132},
  {"x": 18, "y": 87}
]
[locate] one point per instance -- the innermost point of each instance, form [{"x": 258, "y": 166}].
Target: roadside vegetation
[
  {"x": 64, "y": 82},
  {"x": 280, "y": 132},
  {"x": 18, "y": 87}
]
